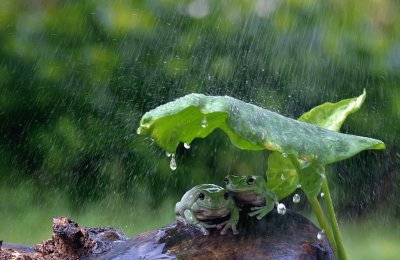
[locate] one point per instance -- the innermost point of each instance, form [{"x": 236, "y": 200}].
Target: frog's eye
[
  {"x": 202, "y": 196},
  {"x": 250, "y": 180},
  {"x": 226, "y": 180},
  {"x": 226, "y": 195}
]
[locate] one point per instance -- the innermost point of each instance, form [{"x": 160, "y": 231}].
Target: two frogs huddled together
[{"x": 206, "y": 202}]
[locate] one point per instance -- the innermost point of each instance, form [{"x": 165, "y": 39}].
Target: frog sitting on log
[
  {"x": 207, "y": 202},
  {"x": 251, "y": 192}
]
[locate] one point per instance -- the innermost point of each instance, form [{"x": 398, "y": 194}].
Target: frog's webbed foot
[
  {"x": 260, "y": 212},
  {"x": 257, "y": 212},
  {"x": 227, "y": 225}
]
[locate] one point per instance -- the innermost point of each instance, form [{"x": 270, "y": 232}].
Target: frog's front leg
[
  {"x": 270, "y": 200},
  {"x": 192, "y": 220},
  {"x": 230, "y": 223},
  {"x": 260, "y": 212}
]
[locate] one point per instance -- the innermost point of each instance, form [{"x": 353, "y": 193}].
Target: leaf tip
[{"x": 380, "y": 146}]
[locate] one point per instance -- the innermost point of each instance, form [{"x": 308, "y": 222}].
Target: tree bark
[{"x": 290, "y": 236}]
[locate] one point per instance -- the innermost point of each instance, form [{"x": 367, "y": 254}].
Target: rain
[{"x": 77, "y": 76}]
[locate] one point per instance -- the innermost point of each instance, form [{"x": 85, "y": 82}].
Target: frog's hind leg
[{"x": 182, "y": 219}]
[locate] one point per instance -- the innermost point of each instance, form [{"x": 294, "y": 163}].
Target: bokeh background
[{"x": 76, "y": 76}]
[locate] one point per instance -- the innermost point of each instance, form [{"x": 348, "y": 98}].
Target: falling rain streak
[{"x": 73, "y": 92}]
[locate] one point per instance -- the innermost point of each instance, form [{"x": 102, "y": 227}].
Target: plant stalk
[
  {"x": 333, "y": 221},
  {"x": 322, "y": 220},
  {"x": 320, "y": 213}
]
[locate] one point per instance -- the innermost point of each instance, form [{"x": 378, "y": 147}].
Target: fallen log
[{"x": 290, "y": 236}]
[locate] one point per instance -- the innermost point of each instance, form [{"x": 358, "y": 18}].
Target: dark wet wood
[
  {"x": 290, "y": 236},
  {"x": 69, "y": 241}
]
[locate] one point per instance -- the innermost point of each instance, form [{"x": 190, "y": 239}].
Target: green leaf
[
  {"x": 248, "y": 127},
  {"x": 311, "y": 178},
  {"x": 332, "y": 115},
  {"x": 282, "y": 177},
  {"x": 327, "y": 115}
]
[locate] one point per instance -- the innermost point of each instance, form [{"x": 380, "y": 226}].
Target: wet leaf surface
[{"x": 249, "y": 127}]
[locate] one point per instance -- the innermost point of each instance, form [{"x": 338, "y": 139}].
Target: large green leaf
[
  {"x": 327, "y": 115},
  {"x": 332, "y": 115},
  {"x": 249, "y": 127}
]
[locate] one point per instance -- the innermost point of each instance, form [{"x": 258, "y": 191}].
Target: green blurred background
[{"x": 76, "y": 76}]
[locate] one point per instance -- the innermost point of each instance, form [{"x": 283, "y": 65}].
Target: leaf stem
[
  {"x": 322, "y": 220},
  {"x": 318, "y": 209},
  {"x": 333, "y": 221}
]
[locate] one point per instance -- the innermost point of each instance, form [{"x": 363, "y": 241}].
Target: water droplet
[
  {"x": 168, "y": 154},
  {"x": 283, "y": 177},
  {"x": 138, "y": 130},
  {"x": 186, "y": 145},
  {"x": 284, "y": 155},
  {"x": 172, "y": 163},
  {"x": 298, "y": 186},
  {"x": 322, "y": 194},
  {"x": 281, "y": 209},
  {"x": 204, "y": 122},
  {"x": 296, "y": 198},
  {"x": 320, "y": 235}
]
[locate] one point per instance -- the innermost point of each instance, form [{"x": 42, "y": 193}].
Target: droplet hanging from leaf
[
  {"x": 172, "y": 163},
  {"x": 281, "y": 209},
  {"x": 296, "y": 198}
]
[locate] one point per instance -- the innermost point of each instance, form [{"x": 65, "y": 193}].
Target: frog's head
[
  {"x": 244, "y": 183},
  {"x": 212, "y": 196},
  {"x": 246, "y": 190}
]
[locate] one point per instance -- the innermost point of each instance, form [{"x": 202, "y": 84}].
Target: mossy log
[{"x": 290, "y": 236}]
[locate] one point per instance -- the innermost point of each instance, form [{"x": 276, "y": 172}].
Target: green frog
[
  {"x": 251, "y": 192},
  {"x": 207, "y": 202}
]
